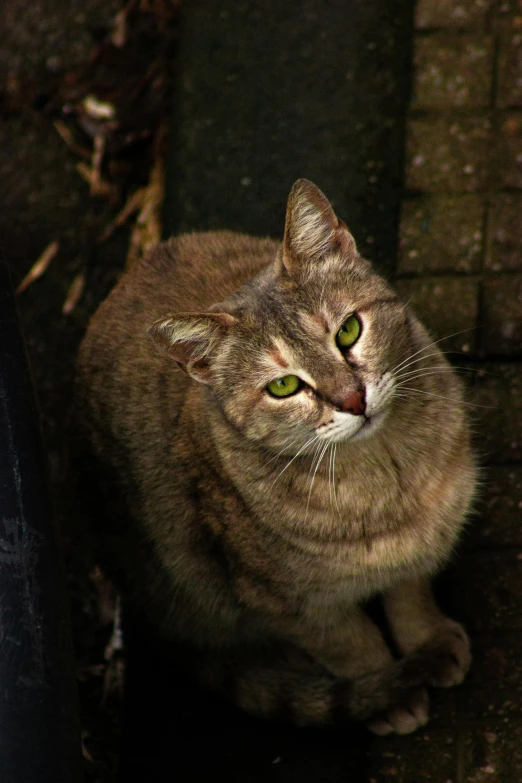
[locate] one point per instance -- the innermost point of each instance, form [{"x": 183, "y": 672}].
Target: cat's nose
[{"x": 354, "y": 404}]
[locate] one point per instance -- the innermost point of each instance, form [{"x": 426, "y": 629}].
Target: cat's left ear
[
  {"x": 193, "y": 340},
  {"x": 313, "y": 232}
]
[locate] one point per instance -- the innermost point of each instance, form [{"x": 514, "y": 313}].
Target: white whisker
[
  {"x": 432, "y": 369},
  {"x": 286, "y": 446},
  {"x": 331, "y": 475},
  {"x": 430, "y": 345},
  {"x": 447, "y": 399},
  {"x": 314, "y": 474},
  {"x": 404, "y": 366},
  {"x": 307, "y": 443},
  {"x": 334, "y": 484}
]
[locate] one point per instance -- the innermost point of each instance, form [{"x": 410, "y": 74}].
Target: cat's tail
[{"x": 291, "y": 688}]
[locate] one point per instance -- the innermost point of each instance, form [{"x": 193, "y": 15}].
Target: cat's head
[{"x": 306, "y": 350}]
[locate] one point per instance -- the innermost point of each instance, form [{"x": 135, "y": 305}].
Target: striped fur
[{"x": 249, "y": 529}]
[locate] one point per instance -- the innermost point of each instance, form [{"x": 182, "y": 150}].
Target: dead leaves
[
  {"x": 146, "y": 202},
  {"x": 110, "y": 114}
]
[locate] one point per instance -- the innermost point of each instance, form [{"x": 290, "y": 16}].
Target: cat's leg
[
  {"x": 351, "y": 646},
  {"x": 280, "y": 680},
  {"x": 354, "y": 647},
  {"x": 416, "y": 621}
]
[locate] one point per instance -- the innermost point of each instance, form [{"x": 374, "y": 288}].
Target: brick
[
  {"x": 509, "y": 153},
  {"x": 453, "y": 71},
  {"x": 493, "y": 687},
  {"x": 492, "y": 753},
  {"x": 498, "y": 387},
  {"x": 450, "y": 13},
  {"x": 445, "y": 305},
  {"x": 505, "y": 233},
  {"x": 428, "y": 755},
  {"x": 509, "y": 80},
  {"x": 486, "y": 587},
  {"x": 448, "y": 154},
  {"x": 441, "y": 234},
  {"x": 499, "y": 510},
  {"x": 501, "y": 317}
]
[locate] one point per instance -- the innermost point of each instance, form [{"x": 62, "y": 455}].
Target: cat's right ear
[
  {"x": 192, "y": 340},
  {"x": 313, "y": 232}
]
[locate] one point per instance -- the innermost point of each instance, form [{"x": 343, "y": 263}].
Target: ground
[{"x": 457, "y": 256}]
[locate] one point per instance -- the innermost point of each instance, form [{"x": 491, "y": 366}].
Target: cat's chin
[{"x": 369, "y": 428}]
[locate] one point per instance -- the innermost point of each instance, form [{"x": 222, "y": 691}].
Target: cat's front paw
[
  {"x": 403, "y": 718},
  {"x": 453, "y": 655}
]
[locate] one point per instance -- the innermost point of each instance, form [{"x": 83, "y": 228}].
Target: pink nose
[{"x": 354, "y": 404}]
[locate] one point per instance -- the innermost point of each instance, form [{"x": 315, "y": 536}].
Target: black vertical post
[{"x": 39, "y": 732}]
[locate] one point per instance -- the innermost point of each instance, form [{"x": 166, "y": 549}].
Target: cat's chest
[
  {"x": 359, "y": 535},
  {"x": 343, "y": 505},
  {"x": 335, "y": 575}
]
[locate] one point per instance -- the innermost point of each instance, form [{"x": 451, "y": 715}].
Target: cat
[{"x": 268, "y": 438}]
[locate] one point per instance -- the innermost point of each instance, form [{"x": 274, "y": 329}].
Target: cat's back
[
  {"x": 118, "y": 366},
  {"x": 186, "y": 273}
]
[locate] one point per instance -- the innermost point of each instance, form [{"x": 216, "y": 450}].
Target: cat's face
[
  {"x": 313, "y": 363},
  {"x": 306, "y": 352}
]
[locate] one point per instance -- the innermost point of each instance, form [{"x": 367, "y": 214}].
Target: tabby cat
[{"x": 269, "y": 438}]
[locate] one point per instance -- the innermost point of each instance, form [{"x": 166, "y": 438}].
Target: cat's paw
[
  {"x": 403, "y": 718},
  {"x": 453, "y": 655}
]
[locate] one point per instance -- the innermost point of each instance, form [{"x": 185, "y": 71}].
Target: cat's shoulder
[{"x": 205, "y": 248}]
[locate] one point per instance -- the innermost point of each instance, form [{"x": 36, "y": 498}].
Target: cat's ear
[
  {"x": 312, "y": 230},
  {"x": 192, "y": 339}
]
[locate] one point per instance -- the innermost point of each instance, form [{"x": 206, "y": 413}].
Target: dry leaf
[
  {"x": 39, "y": 267},
  {"x": 74, "y": 294},
  {"x": 106, "y": 596},
  {"x": 119, "y": 30},
  {"x": 99, "y": 186},
  {"x": 114, "y": 682},
  {"x": 67, "y": 136},
  {"x": 147, "y": 231},
  {"x": 85, "y": 753},
  {"x": 115, "y": 644},
  {"x": 134, "y": 203}
]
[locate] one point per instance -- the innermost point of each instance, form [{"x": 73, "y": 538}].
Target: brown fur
[{"x": 220, "y": 518}]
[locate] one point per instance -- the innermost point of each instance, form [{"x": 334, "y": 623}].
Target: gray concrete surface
[{"x": 269, "y": 92}]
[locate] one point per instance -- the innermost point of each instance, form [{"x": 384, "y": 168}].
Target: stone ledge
[
  {"x": 441, "y": 234},
  {"x": 445, "y": 305},
  {"x": 501, "y": 316},
  {"x": 453, "y": 71},
  {"x": 448, "y": 154},
  {"x": 504, "y": 241},
  {"x": 451, "y": 13}
]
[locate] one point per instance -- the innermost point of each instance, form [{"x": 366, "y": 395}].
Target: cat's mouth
[
  {"x": 346, "y": 429},
  {"x": 370, "y": 425}
]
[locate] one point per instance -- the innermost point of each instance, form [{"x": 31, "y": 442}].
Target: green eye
[
  {"x": 284, "y": 387},
  {"x": 349, "y": 332}
]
